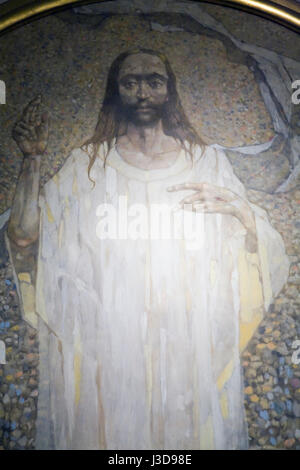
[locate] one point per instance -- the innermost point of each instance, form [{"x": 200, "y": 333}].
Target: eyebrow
[{"x": 146, "y": 76}]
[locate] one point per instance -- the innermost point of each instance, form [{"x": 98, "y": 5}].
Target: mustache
[
  {"x": 131, "y": 109},
  {"x": 143, "y": 105}
]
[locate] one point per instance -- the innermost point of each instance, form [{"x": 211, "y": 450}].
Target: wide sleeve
[
  {"x": 52, "y": 200},
  {"x": 261, "y": 275},
  {"x": 274, "y": 262}
]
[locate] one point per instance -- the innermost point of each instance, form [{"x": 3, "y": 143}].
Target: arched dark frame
[{"x": 15, "y": 12}]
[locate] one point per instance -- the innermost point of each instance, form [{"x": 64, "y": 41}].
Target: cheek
[
  {"x": 127, "y": 96},
  {"x": 161, "y": 95}
]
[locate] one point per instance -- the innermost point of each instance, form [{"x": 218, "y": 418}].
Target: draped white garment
[{"x": 140, "y": 339}]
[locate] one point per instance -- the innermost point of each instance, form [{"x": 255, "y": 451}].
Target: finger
[
  {"x": 44, "y": 125},
  {"x": 27, "y": 115},
  {"x": 19, "y": 132},
  {"x": 33, "y": 113},
  {"x": 188, "y": 207},
  {"x": 18, "y": 136},
  {"x": 183, "y": 186},
  {"x": 207, "y": 190},
  {"x": 45, "y": 120},
  {"x": 25, "y": 126},
  {"x": 37, "y": 120},
  {"x": 29, "y": 128},
  {"x": 209, "y": 207},
  {"x": 218, "y": 193},
  {"x": 187, "y": 201},
  {"x": 194, "y": 197},
  {"x": 29, "y": 108}
]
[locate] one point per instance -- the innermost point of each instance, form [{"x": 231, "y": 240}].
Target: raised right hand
[{"x": 32, "y": 131}]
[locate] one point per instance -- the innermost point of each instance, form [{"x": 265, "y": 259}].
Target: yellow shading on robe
[{"x": 140, "y": 331}]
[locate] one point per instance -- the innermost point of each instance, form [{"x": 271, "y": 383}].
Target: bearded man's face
[{"x": 143, "y": 88}]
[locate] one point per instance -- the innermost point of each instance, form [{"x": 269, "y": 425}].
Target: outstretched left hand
[{"x": 209, "y": 198}]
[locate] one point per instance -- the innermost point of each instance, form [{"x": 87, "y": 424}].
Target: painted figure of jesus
[{"x": 141, "y": 334}]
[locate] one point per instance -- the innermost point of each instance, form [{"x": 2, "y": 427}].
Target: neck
[{"x": 146, "y": 139}]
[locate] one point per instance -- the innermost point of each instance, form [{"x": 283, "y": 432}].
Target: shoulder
[
  {"x": 77, "y": 157},
  {"x": 212, "y": 163},
  {"x": 212, "y": 155},
  {"x": 75, "y": 163},
  {"x": 81, "y": 158}
]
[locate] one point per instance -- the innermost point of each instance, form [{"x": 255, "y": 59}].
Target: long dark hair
[{"x": 111, "y": 122}]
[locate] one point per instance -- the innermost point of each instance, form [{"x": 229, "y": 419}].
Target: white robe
[{"x": 140, "y": 340}]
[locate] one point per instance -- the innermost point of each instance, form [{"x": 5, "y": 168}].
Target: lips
[
  {"x": 142, "y": 113},
  {"x": 144, "y": 108}
]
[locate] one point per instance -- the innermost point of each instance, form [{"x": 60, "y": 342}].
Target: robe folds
[{"x": 141, "y": 326}]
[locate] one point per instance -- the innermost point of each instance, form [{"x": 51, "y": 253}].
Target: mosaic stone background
[
  {"x": 256, "y": 30},
  {"x": 68, "y": 63}
]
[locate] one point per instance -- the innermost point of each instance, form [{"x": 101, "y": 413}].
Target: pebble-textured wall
[{"x": 272, "y": 379}]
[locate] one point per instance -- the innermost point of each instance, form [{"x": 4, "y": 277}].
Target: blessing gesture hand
[{"x": 32, "y": 131}]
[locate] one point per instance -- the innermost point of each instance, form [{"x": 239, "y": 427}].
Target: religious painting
[{"x": 150, "y": 255}]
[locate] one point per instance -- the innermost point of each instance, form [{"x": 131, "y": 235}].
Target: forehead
[{"x": 140, "y": 64}]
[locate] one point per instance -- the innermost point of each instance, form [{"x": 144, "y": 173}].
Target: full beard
[{"x": 141, "y": 117}]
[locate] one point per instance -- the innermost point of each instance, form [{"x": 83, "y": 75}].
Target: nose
[{"x": 143, "y": 90}]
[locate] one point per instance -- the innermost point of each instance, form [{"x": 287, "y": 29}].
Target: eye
[
  {"x": 155, "y": 83},
  {"x": 129, "y": 84}
]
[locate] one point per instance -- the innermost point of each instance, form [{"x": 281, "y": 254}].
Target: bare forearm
[
  {"x": 245, "y": 215},
  {"x": 24, "y": 220}
]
